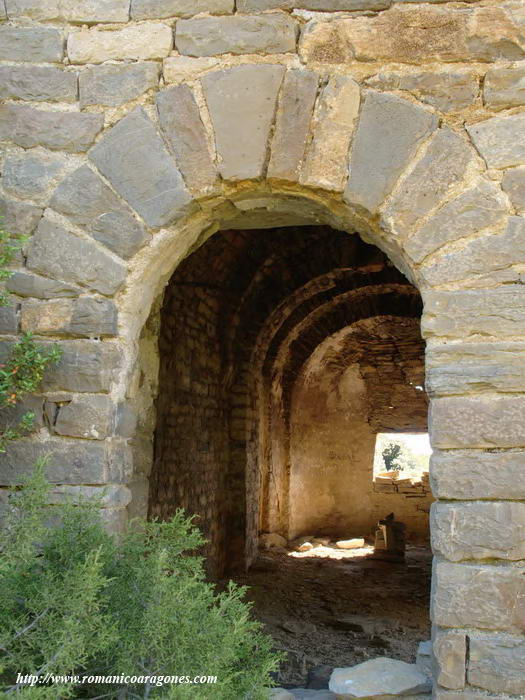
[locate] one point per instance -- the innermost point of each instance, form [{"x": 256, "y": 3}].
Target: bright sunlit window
[{"x": 401, "y": 455}]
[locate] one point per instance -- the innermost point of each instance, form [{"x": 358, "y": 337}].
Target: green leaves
[{"x": 74, "y": 601}]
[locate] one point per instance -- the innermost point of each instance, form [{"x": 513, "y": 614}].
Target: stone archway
[{"x": 265, "y": 145}]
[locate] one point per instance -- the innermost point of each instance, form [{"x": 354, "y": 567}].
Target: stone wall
[
  {"x": 131, "y": 132},
  {"x": 358, "y": 382}
]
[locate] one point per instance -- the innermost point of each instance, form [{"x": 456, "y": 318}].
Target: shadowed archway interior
[{"x": 282, "y": 353}]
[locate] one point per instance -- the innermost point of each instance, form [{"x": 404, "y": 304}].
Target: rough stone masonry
[{"x": 132, "y": 131}]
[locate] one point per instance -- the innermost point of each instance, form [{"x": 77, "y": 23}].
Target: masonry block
[
  {"x": 498, "y": 312},
  {"x": 27, "y": 284},
  {"x": 31, "y": 175},
  {"x": 160, "y": 9},
  {"x": 463, "y": 367},
  {"x": 242, "y": 101},
  {"x": 477, "y": 421},
  {"x": 86, "y": 317},
  {"x": 132, "y": 156},
  {"x": 497, "y": 663},
  {"x": 478, "y": 474},
  {"x": 88, "y": 202},
  {"x": 504, "y": 87},
  {"x": 442, "y": 166},
  {"x": 478, "y": 207},
  {"x": 182, "y": 126},
  {"x": 390, "y": 130},
  {"x": 61, "y": 131},
  {"x": 212, "y": 36},
  {"x": 31, "y": 44},
  {"x": 500, "y": 140},
  {"x": 84, "y": 11},
  {"x": 141, "y": 42},
  {"x": 486, "y": 597},
  {"x": 449, "y": 658},
  {"x": 292, "y": 127},
  {"x": 86, "y": 416},
  {"x": 478, "y": 530},
  {"x": 112, "y": 85},
  {"x": 80, "y": 261},
  {"x": 335, "y": 117},
  {"x": 37, "y": 83}
]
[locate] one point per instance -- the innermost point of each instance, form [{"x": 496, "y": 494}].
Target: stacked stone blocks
[{"x": 125, "y": 125}]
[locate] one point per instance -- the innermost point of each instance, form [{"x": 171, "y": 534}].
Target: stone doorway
[{"x": 283, "y": 353}]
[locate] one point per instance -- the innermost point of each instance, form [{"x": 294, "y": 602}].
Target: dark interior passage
[{"x": 283, "y": 354}]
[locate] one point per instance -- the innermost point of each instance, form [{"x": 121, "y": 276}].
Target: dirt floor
[{"x": 329, "y": 607}]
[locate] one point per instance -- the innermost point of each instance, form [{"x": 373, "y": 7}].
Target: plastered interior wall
[{"x": 363, "y": 380}]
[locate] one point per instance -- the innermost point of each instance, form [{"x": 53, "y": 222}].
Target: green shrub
[
  {"x": 75, "y": 601},
  {"x": 24, "y": 368}
]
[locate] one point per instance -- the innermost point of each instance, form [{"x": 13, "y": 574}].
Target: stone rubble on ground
[
  {"x": 424, "y": 657},
  {"x": 355, "y": 543},
  {"x": 378, "y": 678}
]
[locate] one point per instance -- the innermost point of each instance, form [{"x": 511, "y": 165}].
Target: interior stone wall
[
  {"x": 212, "y": 320},
  {"x": 363, "y": 380},
  {"x": 133, "y": 130}
]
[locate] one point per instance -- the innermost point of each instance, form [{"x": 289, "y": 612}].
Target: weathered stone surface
[
  {"x": 454, "y": 368},
  {"x": 91, "y": 204},
  {"x": 324, "y": 5},
  {"x": 12, "y": 415},
  {"x": 181, "y": 123},
  {"x": 242, "y": 102},
  {"x": 449, "y": 658},
  {"x": 109, "y": 497},
  {"x": 477, "y": 421},
  {"x": 139, "y": 42},
  {"x": 70, "y": 10},
  {"x": 480, "y": 530},
  {"x": 325, "y": 163},
  {"x": 68, "y": 461},
  {"x": 179, "y": 68},
  {"x": 212, "y": 36},
  {"x": 497, "y": 663},
  {"x": 488, "y": 255},
  {"x": 37, "y": 83},
  {"x": 416, "y": 34},
  {"x": 112, "y": 85},
  {"x": 423, "y": 657},
  {"x": 499, "y": 312},
  {"x": 390, "y": 130},
  {"x": 79, "y": 261},
  {"x": 500, "y": 140},
  {"x": 477, "y": 208},
  {"x": 134, "y": 159},
  {"x": 504, "y": 87},
  {"x": 8, "y": 319},
  {"x": 514, "y": 185},
  {"x": 38, "y": 44},
  {"x": 31, "y": 175},
  {"x": 86, "y": 416},
  {"x": 19, "y": 218},
  {"x": 85, "y": 317},
  {"x": 292, "y": 127},
  {"x": 26, "y": 284},
  {"x": 487, "y": 597},
  {"x": 442, "y": 166},
  {"x": 473, "y": 474},
  {"x": 125, "y": 420},
  {"x": 377, "y": 678},
  {"x": 159, "y": 9},
  {"x": 445, "y": 90},
  {"x": 85, "y": 366},
  {"x": 62, "y": 131}
]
